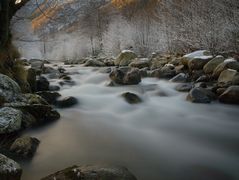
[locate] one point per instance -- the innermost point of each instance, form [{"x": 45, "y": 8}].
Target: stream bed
[{"x": 165, "y": 137}]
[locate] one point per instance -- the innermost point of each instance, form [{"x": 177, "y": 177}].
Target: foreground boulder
[
  {"x": 25, "y": 146},
  {"x": 230, "y": 96},
  {"x": 131, "y": 98},
  {"x": 229, "y": 77},
  {"x": 9, "y": 89},
  {"x": 92, "y": 173},
  {"x": 125, "y": 76},
  {"x": 200, "y": 95},
  {"x": 10, "y": 120},
  {"x": 125, "y": 58},
  {"x": 9, "y": 169}
]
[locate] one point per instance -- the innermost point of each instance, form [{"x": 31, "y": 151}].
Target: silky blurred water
[{"x": 163, "y": 138}]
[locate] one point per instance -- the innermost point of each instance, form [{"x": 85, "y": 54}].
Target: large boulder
[
  {"x": 229, "y": 77},
  {"x": 227, "y": 64},
  {"x": 196, "y": 60},
  {"x": 131, "y": 98},
  {"x": 9, "y": 169},
  {"x": 25, "y": 146},
  {"x": 125, "y": 76},
  {"x": 10, "y": 120},
  {"x": 9, "y": 89},
  {"x": 230, "y": 96},
  {"x": 125, "y": 58},
  {"x": 212, "y": 64},
  {"x": 92, "y": 173},
  {"x": 200, "y": 95}
]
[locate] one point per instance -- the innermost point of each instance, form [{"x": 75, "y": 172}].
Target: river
[{"x": 163, "y": 138}]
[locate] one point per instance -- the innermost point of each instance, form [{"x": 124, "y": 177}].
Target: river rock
[
  {"x": 10, "y": 120},
  {"x": 229, "y": 76},
  {"x": 140, "y": 63},
  {"x": 37, "y": 65},
  {"x": 131, "y": 98},
  {"x": 158, "y": 63},
  {"x": 54, "y": 88},
  {"x": 196, "y": 60},
  {"x": 25, "y": 146},
  {"x": 181, "y": 77},
  {"x": 9, "y": 169},
  {"x": 125, "y": 58},
  {"x": 49, "y": 96},
  {"x": 166, "y": 72},
  {"x": 132, "y": 77},
  {"x": 185, "y": 87},
  {"x": 212, "y": 64},
  {"x": 92, "y": 173},
  {"x": 94, "y": 63},
  {"x": 31, "y": 79},
  {"x": 227, "y": 64},
  {"x": 9, "y": 89},
  {"x": 230, "y": 96},
  {"x": 42, "y": 84},
  {"x": 125, "y": 76},
  {"x": 200, "y": 95},
  {"x": 66, "y": 102}
]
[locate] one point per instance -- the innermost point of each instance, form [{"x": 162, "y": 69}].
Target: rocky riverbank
[{"x": 205, "y": 77}]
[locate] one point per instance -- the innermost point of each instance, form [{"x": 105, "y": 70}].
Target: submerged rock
[
  {"x": 92, "y": 173},
  {"x": 66, "y": 102},
  {"x": 25, "y": 146},
  {"x": 9, "y": 169},
  {"x": 230, "y": 96},
  {"x": 131, "y": 98},
  {"x": 125, "y": 58},
  {"x": 10, "y": 120}
]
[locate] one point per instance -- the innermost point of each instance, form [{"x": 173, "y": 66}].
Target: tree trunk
[{"x": 4, "y": 21}]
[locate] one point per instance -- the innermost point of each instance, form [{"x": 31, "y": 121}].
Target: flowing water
[{"x": 163, "y": 138}]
